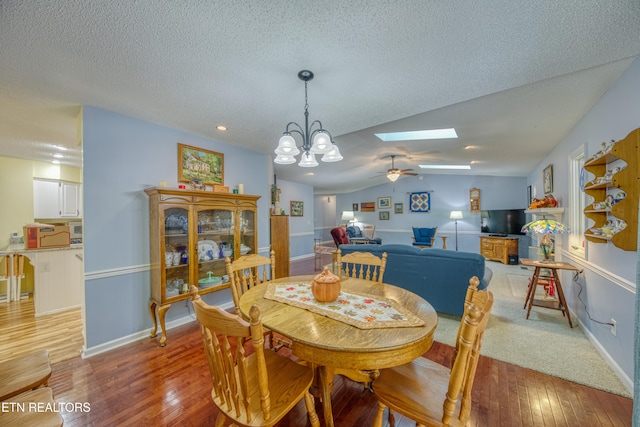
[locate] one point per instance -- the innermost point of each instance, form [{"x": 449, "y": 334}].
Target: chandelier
[{"x": 314, "y": 141}]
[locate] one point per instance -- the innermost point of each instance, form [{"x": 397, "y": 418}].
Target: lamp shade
[
  {"x": 393, "y": 177},
  {"x": 455, "y": 215},
  {"x": 308, "y": 160},
  {"x": 545, "y": 226},
  {"x": 347, "y": 216},
  {"x": 332, "y": 155}
]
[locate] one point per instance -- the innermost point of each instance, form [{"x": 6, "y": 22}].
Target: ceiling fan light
[
  {"x": 332, "y": 155},
  {"x": 321, "y": 143},
  {"x": 393, "y": 177},
  {"x": 287, "y": 146},
  {"x": 308, "y": 160},
  {"x": 283, "y": 159}
]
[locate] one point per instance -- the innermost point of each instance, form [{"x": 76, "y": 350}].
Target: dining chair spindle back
[
  {"x": 429, "y": 393},
  {"x": 249, "y": 271},
  {"x": 362, "y": 265},
  {"x": 249, "y": 388}
]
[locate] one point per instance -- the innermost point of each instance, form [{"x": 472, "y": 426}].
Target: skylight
[
  {"x": 418, "y": 135},
  {"x": 445, "y": 166}
]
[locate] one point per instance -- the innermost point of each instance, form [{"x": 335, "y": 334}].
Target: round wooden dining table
[{"x": 331, "y": 346}]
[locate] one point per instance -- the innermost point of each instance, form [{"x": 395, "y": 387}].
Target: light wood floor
[
  {"x": 21, "y": 332},
  {"x": 141, "y": 384}
]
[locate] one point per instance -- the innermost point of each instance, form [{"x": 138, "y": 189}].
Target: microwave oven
[{"x": 75, "y": 229}]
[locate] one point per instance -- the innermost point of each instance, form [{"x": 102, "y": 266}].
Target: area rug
[{"x": 544, "y": 342}]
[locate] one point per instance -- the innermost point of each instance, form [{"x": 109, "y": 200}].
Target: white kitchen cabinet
[{"x": 56, "y": 199}]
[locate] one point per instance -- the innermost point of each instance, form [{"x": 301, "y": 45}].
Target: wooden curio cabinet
[
  {"x": 614, "y": 193},
  {"x": 191, "y": 234}
]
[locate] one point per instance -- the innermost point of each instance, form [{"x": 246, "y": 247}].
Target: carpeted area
[{"x": 544, "y": 342}]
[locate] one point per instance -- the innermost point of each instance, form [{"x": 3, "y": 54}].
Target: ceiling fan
[{"x": 393, "y": 174}]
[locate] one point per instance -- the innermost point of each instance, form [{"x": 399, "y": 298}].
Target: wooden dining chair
[
  {"x": 249, "y": 388},
  {"x": 245, "y": 273},
  {"x": 429, "y": 393},
  {"x": 362, "y": 265},
  {"x": 24, "y": 373},
  {"x": 249, "y": 271}
]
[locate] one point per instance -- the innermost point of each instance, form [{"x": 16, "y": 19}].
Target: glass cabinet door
[
  {"x": 215, "y": 243},
  {"x": 247, "y": 232},
  {"x": 176, "y": 251}
]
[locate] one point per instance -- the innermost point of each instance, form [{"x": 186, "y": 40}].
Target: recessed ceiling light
[
  {"x": 221, "y": 127},
  {"x": 55, "y": 162},
  {"x": 418, "y": 135},
  {"x": 310, "y": 173},
  {"x": 58, "y": 156},
  {"x": 445, "y": 166}
]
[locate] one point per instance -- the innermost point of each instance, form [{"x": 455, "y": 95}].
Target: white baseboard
[
  {"x": 144, "y": 334},
  {"x": 626, "y": 381}
]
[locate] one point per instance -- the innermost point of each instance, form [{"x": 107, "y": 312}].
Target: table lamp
[
  {"x": 456, "y": 215},
  {"x": 545, "y": 227},
  {"x": 348, "y": 216}
]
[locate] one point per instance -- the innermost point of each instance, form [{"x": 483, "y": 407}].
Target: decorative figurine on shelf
[{"x": 547, "y": 201}]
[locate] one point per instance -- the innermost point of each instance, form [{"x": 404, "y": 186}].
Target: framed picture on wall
[
  {"x": 297, "y": 208},
  {"x": 200, "y": 165},
  {"x": 383, "y": 215},
  {"x": 398, "y": 208},
  {"x": 368, "y": 206},
  {"x": 547, "y": 179},
  {"x": 354, "y": 207},
  {"x": 384, "y": 202}
]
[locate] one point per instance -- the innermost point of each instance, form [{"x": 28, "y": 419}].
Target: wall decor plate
[{"x": 420, "y": 202}]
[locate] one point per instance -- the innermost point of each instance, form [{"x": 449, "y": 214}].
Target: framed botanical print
[
  {"x": 296, "y": 208},
  {"x": 398, "y": 208},
  {"x": 383, "y": 215},
  {"x": 200, "y": 165},
  {"x": 547, "y": 179}
]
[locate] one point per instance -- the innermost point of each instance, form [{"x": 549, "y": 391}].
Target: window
[{"x": 577, "y": 203}]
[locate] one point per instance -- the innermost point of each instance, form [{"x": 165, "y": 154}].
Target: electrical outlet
[
  {"x": 613, "y": 327},
  {"x": 45, "y": 267}
]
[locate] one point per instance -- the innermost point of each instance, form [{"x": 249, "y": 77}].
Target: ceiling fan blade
[
  {"x": 407, "y": 170},
  {"x": 402, "y": 172}
]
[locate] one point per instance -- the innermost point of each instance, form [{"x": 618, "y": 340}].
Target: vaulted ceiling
[{"x": 511, "y": 76}]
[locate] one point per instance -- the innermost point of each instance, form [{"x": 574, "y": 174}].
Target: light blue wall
[
  {"x": 122, "y": 157},
  {"x": 301, "y": 233},
  {"x": 609, "y": 279},
  {"x": 448, "y": 192}
]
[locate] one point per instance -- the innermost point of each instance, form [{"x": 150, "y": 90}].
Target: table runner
[{"x": 359, "y": 310}]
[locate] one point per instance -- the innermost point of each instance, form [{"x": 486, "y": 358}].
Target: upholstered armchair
[
  {"x": 339, "y": 236},
  {"x": 424, "y": 237}
]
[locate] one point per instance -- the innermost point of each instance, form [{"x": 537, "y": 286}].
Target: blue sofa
[{"x": 439, "y": 276}]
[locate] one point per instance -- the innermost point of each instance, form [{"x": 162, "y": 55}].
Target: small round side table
[{"x": 444, "y": 241}]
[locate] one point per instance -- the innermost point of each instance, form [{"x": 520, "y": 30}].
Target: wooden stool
[
  {"x": 444, "y": 241},
  {"x": 6, "y": 277},
  {"x": 24, "y": 373},
  {"x": 20, "y": 413}
]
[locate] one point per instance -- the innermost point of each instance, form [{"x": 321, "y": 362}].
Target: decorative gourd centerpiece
[{"x": 325, "y": 286}]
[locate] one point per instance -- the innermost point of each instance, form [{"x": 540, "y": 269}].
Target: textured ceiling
[{"x": 511, "y": 76}]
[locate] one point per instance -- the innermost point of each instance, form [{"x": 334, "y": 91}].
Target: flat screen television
[{"x": 502, "y": 222}]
